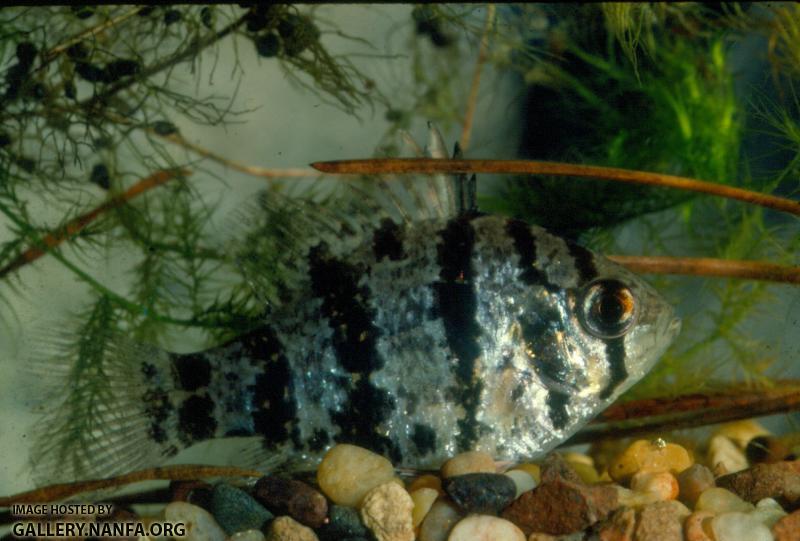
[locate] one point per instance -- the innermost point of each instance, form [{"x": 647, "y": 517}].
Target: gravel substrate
[{"x": 743, "y": 485}]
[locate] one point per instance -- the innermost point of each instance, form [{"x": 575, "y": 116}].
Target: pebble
[
  {"x": 288, "y": 529},
  {"x": 485, "y": 493},
  {"x": 741, "y": 432},
  {"x": 661, "y": 521},
  {"x": 692, "y": 482},
  {"x": 439, "y": 521},
  {"x": 561, "y": 507},
  {"x": 618, "y": 527},
  {"x": 768, "y": 512},
  {"x": 649, "y": 456},
  {"x": 767, "y": 449},
  {"x": 194, "y": 492},
  {"x": 657, "y": 486},
  {"x": 697, "y": 526},
  {"x": 556, "y": 468},
  {"x": 343, "y": 522},
  {"x": 387, "y": 511},
  {"x": 780, "y": 481},
  {"x": 247, "y": 535},
  {"x": 200, "y": 525},
  {"x": 583, "y": 466},
  {"x": 720, "y": 500},
  {"x": 426, "y": 481},
  {"x": 534, "y": 470},
  {"x": 469, "y": 462},
  {"x": 236, "y": 511},
  {"x": 423, "y": 499},
  {"x": 724, "y": 456},
  {"x": 294, "y": 498},
  {"x": 523, "y": 481},
  {"x": 735, "y": 526},
  {"x": 348, "y": 472},
  {"x": 485, "y": 528},
  {"x": 787, "y": 528}
]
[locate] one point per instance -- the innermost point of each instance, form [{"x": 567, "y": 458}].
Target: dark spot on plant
[
  {"x": 121, "y": 68},
  {"x": 268, "y": 45},
  {"x": 69, "y": 90},
  {"x": 298, "y": 33},
  {"x": 90, "y": 72},
  {"x": 5, "y": 139},
  {"x": 83, "y": 12},
  {"x": 26, "y": 53},
  {"x": 78, "y": 51},
  {"x": 207, "y": 18},
  {"x": 26, "y": 164},
  {"x": 394, "y": 115},
  {"x": 172, "y": 16},
  {"x": 146, "y": 11},
  {"x": 38, "y": 91},
  {"x": 162, "y": 127},
  {"x": 100, "y": 176}
]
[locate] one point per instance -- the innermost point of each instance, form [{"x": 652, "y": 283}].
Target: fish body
[{"x": 414, "y": 339}]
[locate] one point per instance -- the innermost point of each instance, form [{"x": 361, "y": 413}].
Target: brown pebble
[
  {"x": 766, "y": 449},
  {"x": 194, "y": 492},
  {"x": 290, "y": 497},
  {"x": 555, "y": 467},
  {"x": 780, "y": 481},
  {"x": 561, "y": 507},
  {"x": 618, "y": 526},
  {"x": 692, "y": 482},
  {"x": 787, "y": 528},
  {"x": 661, "y": 521}
]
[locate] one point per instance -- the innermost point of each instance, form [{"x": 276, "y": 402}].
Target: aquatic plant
[{"x": 89, "y": 113}]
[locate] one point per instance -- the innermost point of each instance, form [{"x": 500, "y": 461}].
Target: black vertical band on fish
[
  {"x": 346, "y": 306},
  {"x": 456, "y": 303},
  {"x": 525, "y": 244},
  {"x": 584, "y": 262},
  {"x": 615, "y": 351}
]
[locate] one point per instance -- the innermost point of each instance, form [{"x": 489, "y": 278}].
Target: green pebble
[
  {"x": 345, "y": 523},
  {"x": 236, "y": 511}
]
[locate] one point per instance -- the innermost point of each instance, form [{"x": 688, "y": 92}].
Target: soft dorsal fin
[{"x": 273, "y": 233}]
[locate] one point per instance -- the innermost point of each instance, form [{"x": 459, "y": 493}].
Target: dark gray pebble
[
  {"x": 236, "y": 511},
  {"x": 285, "y": 496},
  {"x": 485, "y": 493},
  {"x": 344, "y": 523}
]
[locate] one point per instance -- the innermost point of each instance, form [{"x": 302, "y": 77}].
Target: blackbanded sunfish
[{"x": 401, "y": 323}]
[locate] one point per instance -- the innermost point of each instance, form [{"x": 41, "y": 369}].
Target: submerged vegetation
[{"x": 92, "y": 102}]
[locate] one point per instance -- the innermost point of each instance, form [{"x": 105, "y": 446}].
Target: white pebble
[
  {"x": 247, "y": 535},
  {"x": 725, "y": 456},
  {"x": 522, "y": 480},
  {"x": 485, "y": 528},
  {"x": 739, "y": 527},
  {"x": 469, "y": 462},
  {"x": 423, "y": 499},
  {"x": 348, "y": 472},
  {"x": 200, "y": 525},
  {"x": 288, "y": 529},
  {"x": 768, "y": 512},
  {"x": 720, "y": 500},
  {"x": 388, "y": 511},
  {"x": 439, "y": 521}
]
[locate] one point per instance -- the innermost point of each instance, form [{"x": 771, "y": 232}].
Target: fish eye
[{"x": 607, "y": 309}]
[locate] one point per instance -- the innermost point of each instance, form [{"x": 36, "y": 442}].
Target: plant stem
[
  {"x": 704, "y": 266},
  {"x": 529, "y": 167},
  {"x": 472, "y": 101},
  {"x": 172, "y": 473}
]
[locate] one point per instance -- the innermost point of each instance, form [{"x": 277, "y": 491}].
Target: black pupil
[{"x": 611, "y": 309}]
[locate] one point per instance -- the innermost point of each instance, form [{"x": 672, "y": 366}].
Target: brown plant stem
[
  {"x": 529, "y": 167},
  {"x": 472, "y": 101},
  {"x": 53, "y": 239},
  {"x": 688, "y": 411},
  {"x": 186, "y": 472},
  {"x": 704, "y": 266},
  {"x": 91, "y": 31}
]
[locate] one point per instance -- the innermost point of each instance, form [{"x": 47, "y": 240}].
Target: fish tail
[{"x": 107, "y": 417}]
